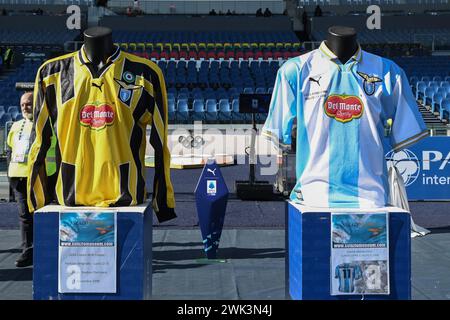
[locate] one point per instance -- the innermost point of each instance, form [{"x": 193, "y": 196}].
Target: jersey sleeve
[
  {"x": 282, "y": 111},
  {"x": 40, "y": 139},
  {"x": 163, "y": 199},
  {"x": 408, "y": 126}
]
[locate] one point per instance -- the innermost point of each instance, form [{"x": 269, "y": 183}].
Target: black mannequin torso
[
  {"x": 98, "y": 45},
  {"x": 342, "y": 42}
]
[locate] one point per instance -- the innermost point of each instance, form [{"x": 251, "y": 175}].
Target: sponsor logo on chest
[
  {"x": 97, "y": 116},
  {"x": 343, "y": 108}
]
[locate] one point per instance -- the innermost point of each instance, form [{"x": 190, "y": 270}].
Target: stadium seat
[
  {"x": 224, "y": 110},
  {"x": 211, "y": 110},
  {"x": 6, "y": 117},
  {"x": 182, "y": 110},
  {"x": 13, "y": 109},
  {"x": 237, "y": 116},
  {"x": 436, "y": 101},
  {"x": 198, "y": 108},
  {"x": 445, "y": 109},
  {"x": 427, "y": 98},
  {"x": 171, "y": 109},
  {"x": 420, "y": 89},
  {"x": 260, "y": 90}
]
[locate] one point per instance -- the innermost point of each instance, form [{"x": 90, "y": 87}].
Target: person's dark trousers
[{"x": 19, "y": 186}]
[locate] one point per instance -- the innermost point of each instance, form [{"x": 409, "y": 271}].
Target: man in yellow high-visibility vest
[{"x": 19, "y": 144}]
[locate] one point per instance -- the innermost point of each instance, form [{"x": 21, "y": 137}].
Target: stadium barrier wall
[
  {"x": 204, "y": 23},
  {"x": 387, "y": 22}
]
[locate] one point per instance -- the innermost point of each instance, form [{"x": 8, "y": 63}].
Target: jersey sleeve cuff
[
  {"x": 269, "y": 135},
  {"x": 411, "y": 140}
]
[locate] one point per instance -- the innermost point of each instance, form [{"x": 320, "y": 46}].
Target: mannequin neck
[
  {"x": 98, "y": 46},
  {"x": 342, "y": 42}
]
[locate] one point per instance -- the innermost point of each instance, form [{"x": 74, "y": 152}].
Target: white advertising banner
[
  {"x": 87, "y": 252},
  {"x": 359, "y": 253}
]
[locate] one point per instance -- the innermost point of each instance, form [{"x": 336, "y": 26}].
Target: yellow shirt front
[{"x": 99, "y": 119}]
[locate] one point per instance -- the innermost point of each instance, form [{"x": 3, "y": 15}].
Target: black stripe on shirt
[
  {"x": 68, "y": 183},
  {"x": 125, "y": 196}
]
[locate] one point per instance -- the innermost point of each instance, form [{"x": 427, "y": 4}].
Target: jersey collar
[
  {"x": 82, "y": 57},
  {"x": 327, "y": 53}
]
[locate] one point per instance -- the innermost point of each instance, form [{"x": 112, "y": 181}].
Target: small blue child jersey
[
  {"x": 347, "y": 273},
  {"x": 342, "y": 111}
]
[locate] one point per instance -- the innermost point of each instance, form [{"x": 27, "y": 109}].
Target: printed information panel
[
  {"x": 87, "y": 252},
  {"x": 359, "y": 253}
]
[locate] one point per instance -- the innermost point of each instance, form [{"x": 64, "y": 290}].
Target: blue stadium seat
[
  {"x": 413, "y": 81},
  {"x": 260, "y": 90},
  {"x": 429, "y": 92},
  {"x": 198, "y": 107},
  {"x": 237, "y": 116},
  {"x": 445, "y": 109},
  {"x": 182, "y": 110},
  {"x": 224, "y": 110},
  {"x": 436, "y": 101},
  {"x": 183, "y": 96},
  {"x": 171, "y": 109},
  {"x": 211, "y": 110},
  {"x": 16, "y": 116},
  {"x": 13, "y": 109},
  {"x": 437, "y": 78},
  {"x": 420, "y": 89},
  {"x": 6, "y": 117}
]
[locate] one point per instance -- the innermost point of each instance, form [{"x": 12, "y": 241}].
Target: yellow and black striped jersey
[{"x": 100, "y": 119}]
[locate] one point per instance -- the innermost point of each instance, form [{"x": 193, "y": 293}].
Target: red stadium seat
[
  {"x": 164, "y": 55},
  {"x": 230, "y": 55},
  {"x": 154, "y": 55},
  {"x": 258, "y": 54},
  {"x": 174, "y": 55},
  {"x": 193, "y": 54},
  {"x": 211, "y": 55},
  {"x": 239, "y": 55},
  {"x": 268, "y": 54},
  {"x": 277, "y": 55},
  {"x": 201, "y": 54},
  {"x": 184, "y": 54},
  {"x": 248, "y": 55},
  {"x": 220, "y": 55}
]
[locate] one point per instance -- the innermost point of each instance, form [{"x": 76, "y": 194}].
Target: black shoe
[{"x": 24, "y": 261}]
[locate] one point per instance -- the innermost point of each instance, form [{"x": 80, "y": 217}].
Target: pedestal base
[
  {"x": 308, "y": 239},
  {"x": 134, "y": 254}
]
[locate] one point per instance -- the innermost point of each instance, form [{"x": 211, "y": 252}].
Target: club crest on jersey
[
  {"x": 369, "y": 82},
  {"x": 126, "y": 89},
  {"x": 124, "y": 95},
  {"x": 343, "y": 108},
  {"x": 97, "y": 116}
]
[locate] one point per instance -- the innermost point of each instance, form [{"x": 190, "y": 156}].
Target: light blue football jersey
[
  {"x": 347, "y": 273},
  {"x": 342, "y": 112}
]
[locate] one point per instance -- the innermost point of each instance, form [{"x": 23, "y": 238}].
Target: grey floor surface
[{"x": 254, "y": 267}]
